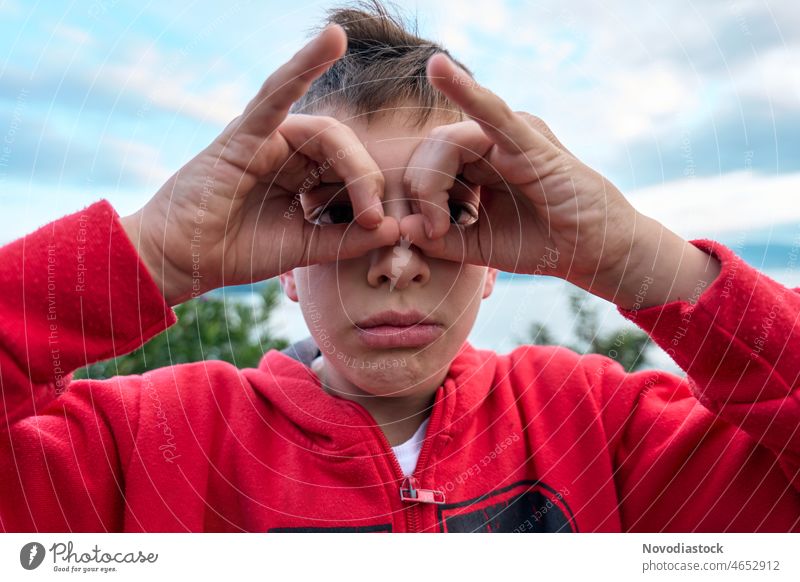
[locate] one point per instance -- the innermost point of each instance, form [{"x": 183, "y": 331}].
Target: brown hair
[{"x": 383, "y": 68}]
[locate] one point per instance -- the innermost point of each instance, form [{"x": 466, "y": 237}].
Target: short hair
[{"x": 383, "y": 68}]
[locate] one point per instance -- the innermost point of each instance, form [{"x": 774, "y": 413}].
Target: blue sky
[{"x": 691, "y": 108}]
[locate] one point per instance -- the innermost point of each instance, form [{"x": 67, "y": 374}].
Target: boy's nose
[
  {"x": 398, "y": 267},
  {"x": 401, "y": 265},
  {"x": 395, "y": 202}
]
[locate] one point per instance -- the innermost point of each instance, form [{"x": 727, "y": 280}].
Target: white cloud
[
  {"x": 71, "y": 34},
  {"x": 138, "y": 161},
  {"x": 653, "y": 100},
  {"x": 721, "y": 205},
  {"x": 629, "y": 71},
  {"x": 10, "y": 8},
  {"x": 772, "y": 78},
  {"x": 172, "y": 82}
]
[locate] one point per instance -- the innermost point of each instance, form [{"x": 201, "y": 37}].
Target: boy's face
[{"x": 390, "y": 322}]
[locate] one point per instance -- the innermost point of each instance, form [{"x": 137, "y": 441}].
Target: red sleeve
[
  {"x": 718, "y": 450},
  {"x": 74, "y": 292}
]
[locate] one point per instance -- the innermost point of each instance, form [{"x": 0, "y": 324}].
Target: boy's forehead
[{"x": 391, "y": 138}]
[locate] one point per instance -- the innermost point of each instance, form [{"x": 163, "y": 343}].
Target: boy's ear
[
  {"x": 289, "y": 286},
  {"x": 489, "y": 281}
]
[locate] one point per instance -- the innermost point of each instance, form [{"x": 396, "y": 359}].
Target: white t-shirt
[{"x": 408, "y": 452}]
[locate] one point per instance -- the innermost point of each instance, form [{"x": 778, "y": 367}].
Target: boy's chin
[{"x": 394, "y": 376}]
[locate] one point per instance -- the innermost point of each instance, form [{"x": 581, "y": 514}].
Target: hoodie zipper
[{"x": 408, "y": 484}]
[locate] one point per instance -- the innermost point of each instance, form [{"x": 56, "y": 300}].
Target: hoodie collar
[{"x": 333, "y": 422}]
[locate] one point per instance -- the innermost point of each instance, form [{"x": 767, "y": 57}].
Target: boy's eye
[
  {"x": 462, "y": 213},
  {"x": 333, "y": 213}
]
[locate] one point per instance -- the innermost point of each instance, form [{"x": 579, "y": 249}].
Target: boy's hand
[
  {"x": 232, "y": 214},
  {"x": 541, "y": 210}
]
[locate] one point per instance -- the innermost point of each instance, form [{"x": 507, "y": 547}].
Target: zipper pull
[{"x": 413, "y": 493}]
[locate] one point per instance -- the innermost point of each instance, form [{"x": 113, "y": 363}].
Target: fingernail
[
  {"x": 377, "y": 216},
  {"x": 319, "y": 35},
  {"x": 428, "y": 227},
  {"x": 316, "y": 37}
]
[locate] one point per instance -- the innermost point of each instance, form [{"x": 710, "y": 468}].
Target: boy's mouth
[{"x": 398, "y": 329}]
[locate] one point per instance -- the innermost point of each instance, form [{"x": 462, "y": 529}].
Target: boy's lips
[{"x": 398, "y": 329}]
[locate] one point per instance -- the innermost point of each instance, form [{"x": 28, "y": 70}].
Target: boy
[{"x": 386, "y": 202}]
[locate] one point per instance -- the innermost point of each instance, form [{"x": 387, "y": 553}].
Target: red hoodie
[{"x": 538, "y": 440}]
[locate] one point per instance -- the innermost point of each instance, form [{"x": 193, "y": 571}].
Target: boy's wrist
[
  {"x": 663, "y": 267},
  {"x": 131, "y": 224}
]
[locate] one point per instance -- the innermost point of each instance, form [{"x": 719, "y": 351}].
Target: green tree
[
  {"x": 626, "y": 345},
  {"x": 210, "y": 327}
]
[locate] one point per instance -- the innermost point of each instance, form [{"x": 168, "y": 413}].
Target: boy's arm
[
  {"x": 732, "y": 460},
  {"x": 74, "y": 292}
]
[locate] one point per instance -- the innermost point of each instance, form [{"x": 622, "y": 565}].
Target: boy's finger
[
  {"x": 460, "y": 245},
  {"x": 269, "y": 107},
  {"x": 503, "y": 126},
  {"x": 335, "y": 147},
  {"x": 434, "y": 165},
  {"x": 346, "y": 241},
  {"x": 539, "y": 125}
]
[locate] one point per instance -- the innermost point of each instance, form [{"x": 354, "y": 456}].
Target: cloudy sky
[{"x": 691, "y": 108}]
